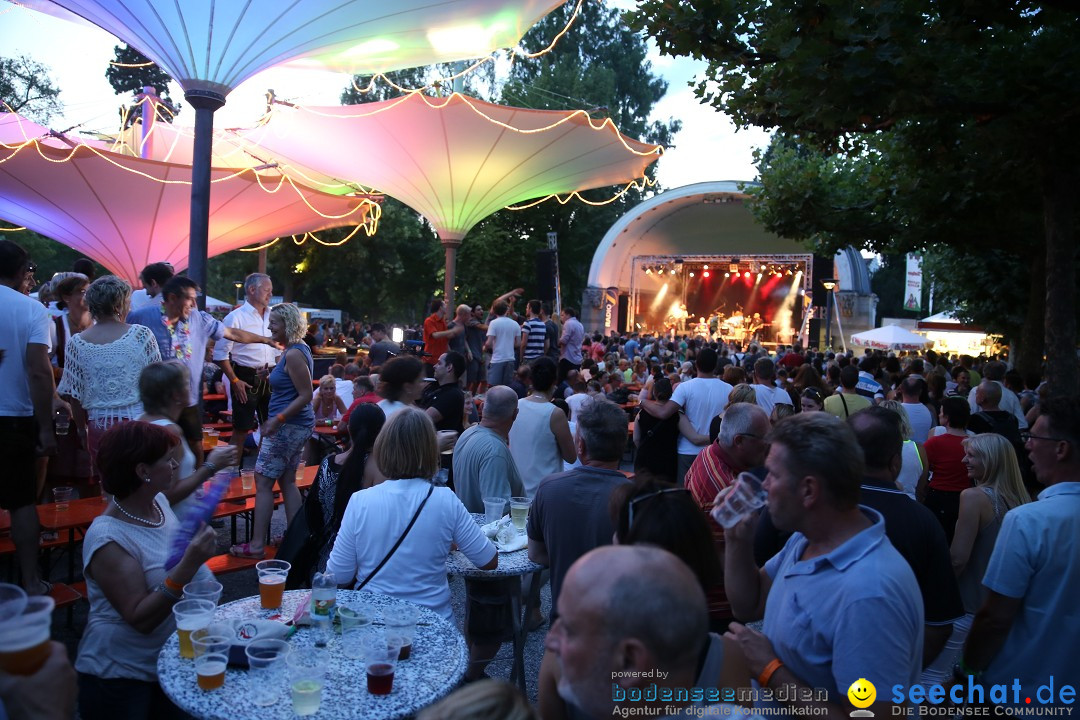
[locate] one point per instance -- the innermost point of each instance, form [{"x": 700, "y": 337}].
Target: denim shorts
[{"x": 282, "y": 451}]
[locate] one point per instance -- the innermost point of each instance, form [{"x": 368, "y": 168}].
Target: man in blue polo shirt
[
  {"x": 840, "y": 603},
  {"x": 1026, "y": 630}
]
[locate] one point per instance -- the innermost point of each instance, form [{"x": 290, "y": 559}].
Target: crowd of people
[{"x": 917, "y": 530}]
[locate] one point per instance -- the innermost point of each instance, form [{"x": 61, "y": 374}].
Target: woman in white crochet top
[{"x": 103, "y": 362}]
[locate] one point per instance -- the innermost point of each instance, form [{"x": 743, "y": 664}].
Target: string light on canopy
[
  {"x": 126, "y": 212},
  {"x": 210, "y": 46},
  {"x": 455, "y": 159}
]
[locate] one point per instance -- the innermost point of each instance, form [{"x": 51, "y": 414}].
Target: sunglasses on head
[
  {"x": 31, "y": 267},
  {"x": 646, "y": 496}
]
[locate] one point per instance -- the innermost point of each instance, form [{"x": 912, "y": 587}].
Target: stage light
[
  {"x": 727, "y": 274},
  {"x": 648, "y": 271},
  {"x": 733, "y": 267},
  {"x": 705, "y": 274},
  {"x": 704, "y": 267},
  {"x": 671, "y": 271},
  {"x": 691, "y": 273},
  {"x": 759, "y": 276},
  {"x": 789, "y": 271},
  {"x": 746, "y": 274}
]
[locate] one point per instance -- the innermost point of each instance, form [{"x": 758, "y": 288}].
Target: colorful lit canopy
[
  {"x": 214, "y": 45},
  {"x": 456, "y": 159},
  {"x": 126, "y": 212}
]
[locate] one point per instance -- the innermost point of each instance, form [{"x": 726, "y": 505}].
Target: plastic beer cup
[
  {"x": 25, "y": 635},
  {"x": 191, "y": 615},
  {"x": 272, "y": 574}
]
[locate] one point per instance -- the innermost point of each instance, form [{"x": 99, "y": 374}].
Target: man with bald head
[
  {"x": 483, "y": 467},
  {"x": 632, "y": 625}
]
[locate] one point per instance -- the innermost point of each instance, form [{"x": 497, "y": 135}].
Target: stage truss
[{"x": 687, "y": 268}]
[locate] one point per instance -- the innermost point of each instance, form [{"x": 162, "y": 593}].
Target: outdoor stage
[{"x": 730, "y": 298}]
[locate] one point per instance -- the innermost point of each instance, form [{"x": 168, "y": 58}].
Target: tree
[
  {"x": 130, "y": 71},
  {"x": 910, "y": 82},
  {"x": 27, "y": 89},
  {"x": 599, "y": 66}
]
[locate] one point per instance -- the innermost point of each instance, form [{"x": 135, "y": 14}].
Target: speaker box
[
  {"x": 545, "y": 275},
  {"x": 624, "y": 312},
  {"x": 823, "y": 270},
  {"x": 815, "y": 331}
]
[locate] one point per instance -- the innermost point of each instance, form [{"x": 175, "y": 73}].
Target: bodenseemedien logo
[{"x": 862, "y": 694}]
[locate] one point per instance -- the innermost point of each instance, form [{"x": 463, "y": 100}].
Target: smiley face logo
[{"x": 862, "y": 693}]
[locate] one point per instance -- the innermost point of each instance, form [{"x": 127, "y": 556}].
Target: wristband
[
  {"x": 211, "y": 467},
  {"x": 172, "y": 585},
  {"x": 280, "y": 418},
  {"x": 167, "y": 592},
  {"x": 767, "y": 673}
]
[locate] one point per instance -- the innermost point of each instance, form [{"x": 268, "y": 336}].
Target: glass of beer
[
  {"x": 211, "y": 658},
  {"x": 266, "y": 660},
  {"x": 401, "y": 624},
  {"x": 307, "y": 674},
  {"x": 191, "y": 615},
  {"x": 203, "y": 590},
  {"x": 24, "y": 634},
  {"x": 519, "y": 512},
  {"x": 272, "y": 574},
  {"x": 206, "y": 439},
  {"x": 247, "y": 479}
]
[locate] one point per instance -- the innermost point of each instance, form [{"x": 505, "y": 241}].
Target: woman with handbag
[{"x": 395, "y": 536}]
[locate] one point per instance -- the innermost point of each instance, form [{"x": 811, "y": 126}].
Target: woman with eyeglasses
[{"x": 130, "y": 590}]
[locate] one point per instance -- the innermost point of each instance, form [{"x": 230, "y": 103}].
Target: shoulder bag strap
[
  {"x": 847, "y": 413},
  {"x": 61, "y": 340},
  {"x": 390, "y": 554}
]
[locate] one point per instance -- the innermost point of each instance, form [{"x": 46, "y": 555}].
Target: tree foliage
[
  {"x": 922, "y": 124},
  {"x": 27, "y": 89},
  {"x": 130, "y": 71}
]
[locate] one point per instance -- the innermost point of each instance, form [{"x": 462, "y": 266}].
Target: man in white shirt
[
  {"x": 26, "y": 406},
  {"x": 768, "y": 395},
  {"x": 701, "y": 398},
  {"x": 245, "y": 365},
  {"x": 153, "y": 276},
  {"x": 503, "y": 339},
  {"x": 1009, "y": 401}
]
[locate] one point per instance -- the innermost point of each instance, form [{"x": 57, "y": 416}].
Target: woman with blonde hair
[
  {"x": 991, "y": 464},
  {"x": 290, "y": 423},
  {"x": 328, "y": 404},
  {"x": 914, "y": 467},
  {"x": 395, "y": 537}
]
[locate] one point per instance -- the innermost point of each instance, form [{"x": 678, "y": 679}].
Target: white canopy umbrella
[{"x": 890, "y": 337}]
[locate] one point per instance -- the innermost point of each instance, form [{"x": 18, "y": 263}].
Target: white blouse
[
  {"x": 105, "y": 378},
  {"x": 376, "y": 518}
]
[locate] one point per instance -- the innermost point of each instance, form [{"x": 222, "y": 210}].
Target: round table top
[
  {"x": 511, "y": 564},
  {"x": 435, "y": 668}
]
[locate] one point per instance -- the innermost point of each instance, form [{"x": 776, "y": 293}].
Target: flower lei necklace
[{"x": 180, "y": 333}]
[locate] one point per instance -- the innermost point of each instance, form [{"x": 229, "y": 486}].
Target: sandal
[
  {"x": 276, "y": 540},
  {"x": 243, "y": 550}
]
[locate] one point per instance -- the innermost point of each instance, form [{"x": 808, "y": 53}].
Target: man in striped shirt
[
  {"x": 534, "y": 340},
  {"x": 740, "y": 446}
]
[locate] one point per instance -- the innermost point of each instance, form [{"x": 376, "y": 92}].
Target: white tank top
[
  {"x": 910, "y": 469},
  {"x": 532, "y": 444}
]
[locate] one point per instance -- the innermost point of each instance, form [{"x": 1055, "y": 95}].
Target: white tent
[
  {"x": 890, "y": 337},
  {"x": 212, "y": 303}
]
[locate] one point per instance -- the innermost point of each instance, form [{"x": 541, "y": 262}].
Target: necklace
[{"x": 160, "y": 520}]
